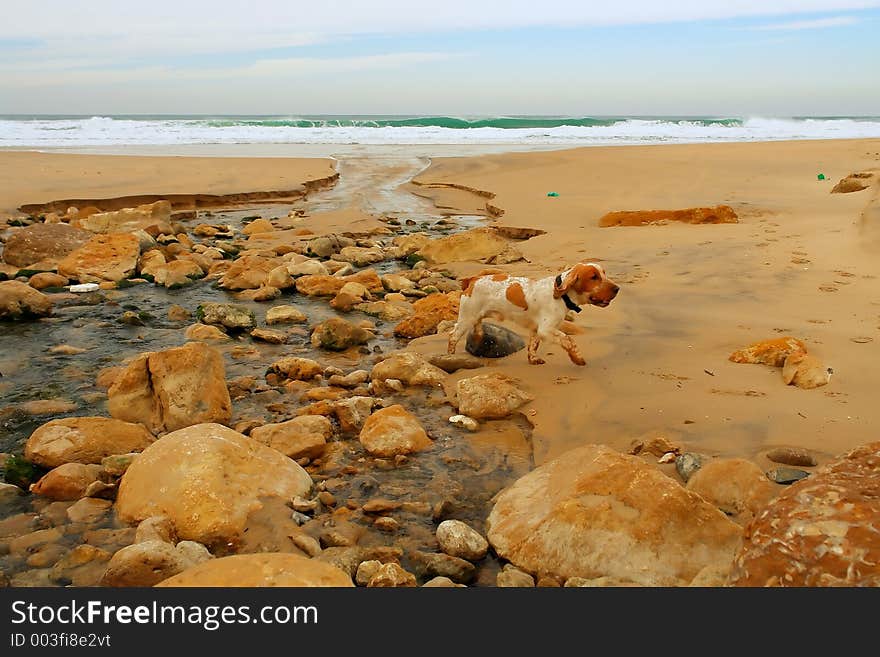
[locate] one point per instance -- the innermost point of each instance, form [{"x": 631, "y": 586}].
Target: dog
[{"x": 538, "y": 305}]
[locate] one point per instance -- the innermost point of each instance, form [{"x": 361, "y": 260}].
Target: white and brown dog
[{"x": 538, "y": 305}]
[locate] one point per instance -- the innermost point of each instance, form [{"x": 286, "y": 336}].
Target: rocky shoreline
[{"x": 261, "y": 422}]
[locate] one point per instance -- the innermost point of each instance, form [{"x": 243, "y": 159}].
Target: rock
[
  {"x": 351, "y": 412},
  {"x": 268, "y": 335},
  {"x": 258, "y": 226},
  {"x": 444, "y": 565},
  {"x": 117, "y": 464},
  {"x": 391, "y": 575},
  {"x": 295, "y": 368},
  {"x": 307, "y": 544},
  {"x": 178, "y": 313},
  {"x": 204, "y": 333},
  {"x": 392, "y": 431},
  {"x": 285, "y": 315},
  {"x": 385, "y": 310},
  {"x": 786, "y": 476},
  {"x": 249, "y": 272},
  {"x": 84, "y": 440},
  {"x": 805, "y": 371},
  {"x": 852, "y": 183},
  {"x": 47, "y": 407},
  {"x": 19, "y": 301},
  {"x": 736, "y": 486},
  {"x": 688, "y": 464},
  {"x": 327, "y": 245},
  {"x": 262, "y": 293},
  {"x": 84, "y": 565},
  {"x": 442, "y": 582},
  {"x": 231, "y": 316},
  {"x": 454, "y": 362},
  {"x": 337, "y": 335},
  {"x": 324, "y": 285},
  {"x": 156, "y": 528},
  {"x": 769, "y": 352},
  {"x": 131, "y": 318},
  {"x": 66, "y": 350},
  {"x": 481, "y": 244},
  {"x": 792, "y": 456},
  {"x": 821, "y": 531},
  {"x": 428, "y": 312},
  {"x": 67, "y": 482},
  {"x": 410, "y": 368},
  {"x": 397, "y": 283},
  {"x": 47, "y": 279},
  {"x": 721, "y": 214},
  {"x": 172, "y": 389},
  {"x": 145, "y": 564},
  {"x": 127, "y": 220},
  {"x": 350, "y": 380},
  {"x": 88, "y": 510},
  {"x": 511, "y": 577},
  {"x": 307, "y": 268},
  {"x": 42, "y": 243},
  {"x": 279, "y": 278},
  {"x": 459, "y": 540},
  {"x": 207, "y": 479},
  {"x": 598, "y": 582},
  {"x": 489, "y": 396},
  {"x": 9, "y": 493},
  {"x": 259, "y": 570},
  {"x": 593, "y": 512},
  {"x": 658, "y": 445},
  {"x": 302, "y": 436},
  {"x": 465, "y": 422},
  {"x": 177, "y": 273},
  {"x": 494, "y": 342},
  {"x": 366, "y": 570},
  {"x": 110, "y": 257},
  {"x": 359, "y": 256}
]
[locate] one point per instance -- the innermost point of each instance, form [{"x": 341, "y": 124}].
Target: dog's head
[{"x": 586, "y": 283}]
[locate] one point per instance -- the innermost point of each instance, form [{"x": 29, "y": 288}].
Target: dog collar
[{"x": 571, "y": 305}]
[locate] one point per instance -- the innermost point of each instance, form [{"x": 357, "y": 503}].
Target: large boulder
[
  {"x": 19, "y": 300},
  {"x": 258, "y": 570},
  {"x": 127, "y": 220},
  {"x": 172, "y": 389},
  {"x": 593, "y": 512},
  {"x": 44, "y": 243},
  {"x": 482, "y": 244},
  {"x": 821, "y": 531},
  {"x": 392, "y": 431},
  {"x": 84, "y": 440},
  {"x": 110, "y": 257},
  {"x": 489, "y": 396},
  {"x": 428, "y": 312},
  {"x": 207, "y": 479}
]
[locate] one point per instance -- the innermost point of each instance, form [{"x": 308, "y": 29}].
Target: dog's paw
[{"x": 537, "y": 361}]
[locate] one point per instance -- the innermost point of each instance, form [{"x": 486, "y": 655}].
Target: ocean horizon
[{"x": 77, "y": 131}]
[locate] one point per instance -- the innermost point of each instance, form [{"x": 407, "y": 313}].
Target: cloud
[{"x": 815, "y": 24}]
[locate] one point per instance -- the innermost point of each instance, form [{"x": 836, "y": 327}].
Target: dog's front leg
[
  {"x": 570, "y": 347},
  {"x": 534, "y": 343}
]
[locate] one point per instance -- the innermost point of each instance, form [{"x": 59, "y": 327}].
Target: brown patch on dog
[
  {"x": 516, "y": 296},
  {"x": 467, "y": 285},
  {"x": 499, "y": 277}
]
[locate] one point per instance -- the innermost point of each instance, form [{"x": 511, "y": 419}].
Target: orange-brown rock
[
  {"x": 854, "y": 182},
  {"x": 721, "y": 214},
  {"x": 821, "y": 531},
  {"x": 47, "y": 279},
  {"x": 172, "y": 389},
  {"x": 84, "y": 440},
  {"x": 328, "y": 286},
  {"x": 769, "y": 352},
  {"x": 111, "y": 257},
  {"x": 19, "y": 300},
  {"x": 736, "y": 486},
  {"x": 249, "y": 272},
  {"x": 805, "y": 371},
  {"x": 428, "y": 312},
  {"x": 42, "y": 242},
  {"x": 258, "y": 570},
  {"x": 593, "y": 512},
  {"x": 68, "y": 481},
  {"x": 305, "y": 435},
  {"x": 392, "y": 431},
  {"x": 481, "y": 244}
]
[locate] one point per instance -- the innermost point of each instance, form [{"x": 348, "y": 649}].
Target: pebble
[
  {"x": 366, "y": 570},
  {"x": 687, "y": 464},
  {"x": 458, "y": 539},
  {"x": 84, "y": 287},
  {"x": 386, "y": 524},
  {"x": 326, "y": 498},
  {"x": 792, "y": 456},
  {"x": 307, "y": 544},
  {"x": 468, "y": 423},
  {"x": 303, "y": 505},
  {"x": 786, "y": 476},
  {"x": 512, "y": 577}
]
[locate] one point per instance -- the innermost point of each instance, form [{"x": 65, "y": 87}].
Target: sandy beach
[{"x": 800, "y": 262}]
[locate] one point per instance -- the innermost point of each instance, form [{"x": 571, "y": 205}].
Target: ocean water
[{"x": 17, "y": 131}]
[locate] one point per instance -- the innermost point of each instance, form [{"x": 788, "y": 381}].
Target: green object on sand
[
  {"x": 821, "y": 176},
  {"x": 552, "y": 193}
]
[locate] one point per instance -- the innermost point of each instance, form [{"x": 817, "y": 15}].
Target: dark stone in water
[
  {"x": 687, "y": 464},
  {"x": 496, "y": 342},
  {"x": 787, "y": 476}
]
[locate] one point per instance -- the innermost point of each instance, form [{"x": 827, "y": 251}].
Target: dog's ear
[{"x": 570, "y": 280}]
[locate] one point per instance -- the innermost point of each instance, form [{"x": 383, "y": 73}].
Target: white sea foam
[{"x": 110, "y": 131}]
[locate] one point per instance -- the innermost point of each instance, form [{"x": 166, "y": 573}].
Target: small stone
[
  {"x": 116, "y": 464},
  {"x": 548, "y": 581},
  {"x": 442, "y": 582},
  {"x": 392, "y": 575},
  {"x": 687, "y": 464},
  {"x": 386, "y": 524},
  {"x": 88, "y": 510},
  {"x": 303, "y": 505},
  {"x": 668, "y": 457},
  {"x": 464, "y": 421},
  {"x": 460, "y": 540},
  {"x": 380, "y": 505},
  {"x": 178, "y": 313},
  {"x": 131, "y": 318},
  {"x": 66, "y": 350},
  {"x": 511, "y": 577},
  {"x": 366, "y": 570},
  {"x": 786, "y": 476},
  {"x": 458, "y": 570},
  {"x": 307, "y": 544},
  {"x": 269, "y": 335},
  {"x": 326, "y": 498},
  {"x": 285, "y": 315},
  {"x": 792, "y": 456},
  {"x": 494, "y": 342},
  {"x": 155, "y": 528}
]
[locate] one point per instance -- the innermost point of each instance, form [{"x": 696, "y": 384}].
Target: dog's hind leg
[{"x": 455, "y": 335}]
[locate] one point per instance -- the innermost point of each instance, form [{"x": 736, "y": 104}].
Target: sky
[{"x": 460, "y": 58}]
